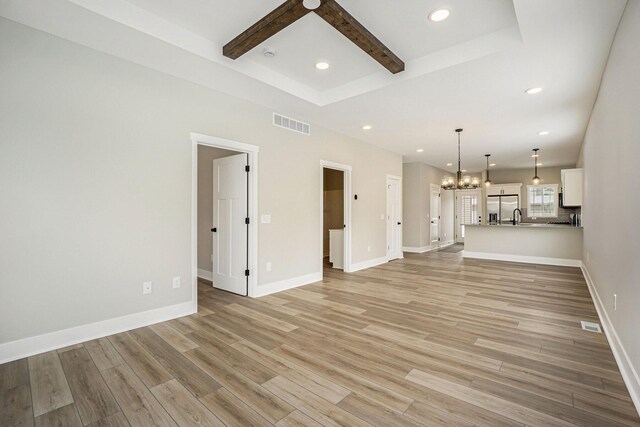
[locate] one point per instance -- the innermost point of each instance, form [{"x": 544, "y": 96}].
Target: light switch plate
[
  {"x": 147, "y": 288},
  {"x": 265, "y": 219},
  {"x": 176, "y": 282}
]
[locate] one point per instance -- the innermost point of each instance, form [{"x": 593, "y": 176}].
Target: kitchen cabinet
[
  {"x": 571, "y": 187},
  {"x": 504, "y": 189}
]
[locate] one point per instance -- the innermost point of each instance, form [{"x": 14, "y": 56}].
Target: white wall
[
  {"x": 206, "y": 155},
  {"x": 610, "y": 157},
  {"x": 95, "y": 183}
]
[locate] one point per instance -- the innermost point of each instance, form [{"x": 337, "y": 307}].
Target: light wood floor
[{"x": 429, "y": 340}]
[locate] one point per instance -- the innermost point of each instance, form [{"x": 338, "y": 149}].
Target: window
[
  {"x": 468, "y": 211},
  {"x": 542, "y": 201}
]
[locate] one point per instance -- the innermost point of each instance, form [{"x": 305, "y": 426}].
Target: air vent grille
[
  {"x": 291, "y": 124},
  {"x": 590, "y": 326}
]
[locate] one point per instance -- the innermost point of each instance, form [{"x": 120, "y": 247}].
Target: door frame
[
  {"x": 346, "y": 169},
  {"x": 439, "y": 188},
  {"x": 252, "y": 233},
  {"x": 399, "y": 179}
]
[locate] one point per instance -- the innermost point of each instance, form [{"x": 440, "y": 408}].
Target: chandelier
[{"x": 461, "y": 182}]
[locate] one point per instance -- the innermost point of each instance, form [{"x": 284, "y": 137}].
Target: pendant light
[
  {"x": 536, "y": 178},
  {"x": 460, "y": 182},
  {"x": 487, "y": 182}
]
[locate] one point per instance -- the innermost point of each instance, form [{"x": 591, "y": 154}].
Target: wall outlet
[
  {"x": 615, "y": 302},
  {"x": 368, "y": 248},
  {"x": 147, "y": 288},
  {"x": 268, "y": 266},
  {"x": 176, "y": 282},
  {"x": 265, "y": 219}
]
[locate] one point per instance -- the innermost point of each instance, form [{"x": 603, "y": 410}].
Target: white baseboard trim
[
  {"x": 368, "y": 264},
  {"x": 54, "y": 340},
  {"x": 283, "y": 285},
  {"x": 417, "y": 250},
  {"x": 423, "y": 249},
  {"x": 627, "y": 370},
  {"x": 523, "y": 258},
  {"x": 204, "y": 274}
]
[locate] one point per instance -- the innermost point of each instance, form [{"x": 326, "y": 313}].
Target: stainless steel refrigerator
[{"x": 500, "y": 208}]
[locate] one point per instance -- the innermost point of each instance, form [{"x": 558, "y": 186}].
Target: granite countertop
[{"x": 526, "y": 225}]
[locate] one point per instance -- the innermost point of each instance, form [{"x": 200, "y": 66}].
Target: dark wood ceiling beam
[
  {"x": 342, "y": 21},
  {"x": 279, "y": 19}
]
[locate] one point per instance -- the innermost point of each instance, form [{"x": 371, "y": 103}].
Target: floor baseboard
[
  {"x": 58, "y": 339},
  {"x": 283, "y": 285},
  {"x": 627, "y": 370},
  {"x": 523, "y": 258},
  {"x": 204, "y": 274}
]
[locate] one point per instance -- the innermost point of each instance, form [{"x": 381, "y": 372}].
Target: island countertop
[{"x": 528, "y": 225}]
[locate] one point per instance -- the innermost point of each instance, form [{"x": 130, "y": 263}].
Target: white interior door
[
  {"x": 468, "y": 210},
  {"x": 394, "y": 219},
  {"x": 230, "y": 229},
  {"x": 434, "y": 221}
]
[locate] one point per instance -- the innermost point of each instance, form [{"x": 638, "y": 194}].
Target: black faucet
[{"x": 513, "y": 221}]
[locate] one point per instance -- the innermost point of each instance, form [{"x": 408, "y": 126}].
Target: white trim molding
[
  {"x": 59, "y": 339},
  {"x": 627, "y": 370},
  {"x": 204, "y": 274},
  {"x": 423, "y": 249},
  {"x": 524, "y": 259},
  {"x": 283, "y": 285},
  {"x": 369, "y": 263}
]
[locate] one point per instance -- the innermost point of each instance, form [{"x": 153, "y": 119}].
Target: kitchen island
[{"x": 552, "y": 244}]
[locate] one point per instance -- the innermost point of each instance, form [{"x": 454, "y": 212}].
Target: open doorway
[
  {"x": 335, "y": 215},
  {"x": 224, "y": 239},
  {"x": 333, "y": 223},
  {"x": 222, "y": 210}
]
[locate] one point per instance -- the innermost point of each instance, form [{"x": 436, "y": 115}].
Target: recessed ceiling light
[
  {"x": 439, "y": 15},
  {"x": 322, "y": 66},
  {"x": 538, "y": 164},
  {"x": 419, "y": 150},
  {"x": 449, "y": 164},
  {"x": 492, "y": 164},
  {"x": 543, "y": 133},
  {"x": 269, "y": 52},
  {"x": 366, "y": 127},
  {"x": 533, "y": 90},
  {"x": 311, "y": 4}
]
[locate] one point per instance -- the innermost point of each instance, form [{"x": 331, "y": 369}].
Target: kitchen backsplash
[{"x": 563, "y": 216}]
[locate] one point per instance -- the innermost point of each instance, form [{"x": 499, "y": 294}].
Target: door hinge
[
  {"x": 247, "y": 221},
  {"x": 246, "y": 273},
  {"x": 247, "y": 168}
]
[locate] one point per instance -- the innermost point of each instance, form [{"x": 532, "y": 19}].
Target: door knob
[{"x": 214, "y": 230}]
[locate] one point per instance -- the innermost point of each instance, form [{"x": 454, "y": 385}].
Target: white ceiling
[{"x": 469, "y": 71}]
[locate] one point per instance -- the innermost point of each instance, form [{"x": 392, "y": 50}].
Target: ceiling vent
[
  {"x": 590, "y": 326},
  {"x": 291, "y": 124}
]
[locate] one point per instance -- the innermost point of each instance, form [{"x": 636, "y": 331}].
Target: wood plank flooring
[{"x": 432, "y": 339}]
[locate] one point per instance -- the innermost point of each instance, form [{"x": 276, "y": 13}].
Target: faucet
[{"x": 513, "y": 221}]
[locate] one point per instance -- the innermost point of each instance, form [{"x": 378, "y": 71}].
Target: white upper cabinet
[
  {"x": 504, "y": 190},
  {"x": 571, "y": 187}
]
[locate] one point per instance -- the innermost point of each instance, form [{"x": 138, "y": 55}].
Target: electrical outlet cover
[
  {"x": 176, "y": 282},
  {"x": 147, "y": 288}
]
